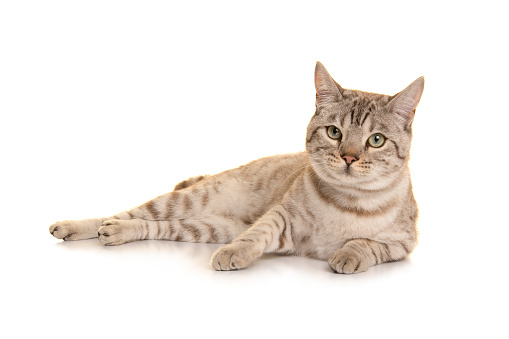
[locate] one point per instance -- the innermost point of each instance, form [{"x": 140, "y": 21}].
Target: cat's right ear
[
  {"x": 327, "y": 90},
  {"x": 405, "y": 102}
]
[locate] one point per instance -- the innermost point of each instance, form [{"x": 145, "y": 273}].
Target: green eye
[
  {"x": 376, "y": 140},
  {"x": 334, "y": 132}
]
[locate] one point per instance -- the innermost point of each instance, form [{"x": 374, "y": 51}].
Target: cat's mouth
[{"x": 351, "y": 171}]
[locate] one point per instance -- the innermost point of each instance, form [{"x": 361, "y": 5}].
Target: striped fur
[{"x": 313, "y": 203}]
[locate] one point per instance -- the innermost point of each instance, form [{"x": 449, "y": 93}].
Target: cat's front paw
[
  {"x": 348, "y": 261},
  {"x": 232, "y": 257}
]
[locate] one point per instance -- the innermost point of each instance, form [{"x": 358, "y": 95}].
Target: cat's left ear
[{"x": 405, "y": 102}]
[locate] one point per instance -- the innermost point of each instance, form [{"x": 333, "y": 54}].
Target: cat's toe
[
  {"x": 229, "y": 258},
  {"x": 347, "y": 262}
]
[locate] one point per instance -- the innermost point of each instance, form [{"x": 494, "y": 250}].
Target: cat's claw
[
  {"x": 348, "y": 262},
  {"x": 232, "y": 257}
]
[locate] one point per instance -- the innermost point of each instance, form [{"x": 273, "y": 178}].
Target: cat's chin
[{"x": 344, "y": 177}]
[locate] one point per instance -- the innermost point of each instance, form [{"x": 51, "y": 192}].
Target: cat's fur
[{"x": 342, "y": 200}]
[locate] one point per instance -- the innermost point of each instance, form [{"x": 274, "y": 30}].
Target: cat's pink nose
[{"x": 349, "y": 159}]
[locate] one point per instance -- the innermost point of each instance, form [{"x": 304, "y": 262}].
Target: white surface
[{"x": 107, "y": 104}]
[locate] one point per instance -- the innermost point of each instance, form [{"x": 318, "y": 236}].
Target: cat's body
[{"x": 347, "y": 199}]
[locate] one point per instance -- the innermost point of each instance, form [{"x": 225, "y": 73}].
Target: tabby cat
[{"x": 348, "y": 199}]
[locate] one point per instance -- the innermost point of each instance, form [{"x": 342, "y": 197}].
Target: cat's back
[
  {"x": 273, "y": 173},
  {"x": 248, "y": 191},
  {"x": 276, "y": 162},
  {"x": 268, "y": 175}
]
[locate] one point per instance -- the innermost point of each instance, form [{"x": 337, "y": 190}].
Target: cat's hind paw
[
  {"x": 62, "y": 230},
  {"x": 116, "y": 232},
  {"x": 72, "y": 230}
]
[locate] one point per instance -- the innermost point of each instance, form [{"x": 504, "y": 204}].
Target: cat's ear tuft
[
  {"x": 405, "y": 102},
  {"x": 327, "y": 90}
]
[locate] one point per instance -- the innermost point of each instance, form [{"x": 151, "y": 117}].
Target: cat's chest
[
  {"x": 322, "y": 229},
  {"x": 335, "y": 222},
  {"x": 355, "y": 223}
]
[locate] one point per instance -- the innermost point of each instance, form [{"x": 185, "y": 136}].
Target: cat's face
[{"x": 360, "y": 137}]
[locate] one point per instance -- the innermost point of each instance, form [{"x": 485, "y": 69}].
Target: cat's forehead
[
  {"x": 362, "y": 100},
  {"x": 355, "y": 107}
]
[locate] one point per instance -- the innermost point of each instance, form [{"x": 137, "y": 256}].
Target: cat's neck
[{"x": 369, "y": 195}]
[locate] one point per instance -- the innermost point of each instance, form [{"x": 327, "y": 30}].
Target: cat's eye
[
  {"x": 334, "y": 132},
  {"x": 376, "y": 140}
]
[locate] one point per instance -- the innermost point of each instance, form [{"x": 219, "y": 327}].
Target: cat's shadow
[
  {"x": 146, "y": 247},
  {"x": 199, "y": 254}
]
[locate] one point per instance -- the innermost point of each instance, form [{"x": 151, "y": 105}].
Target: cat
[{"x": 347, "y": 199}]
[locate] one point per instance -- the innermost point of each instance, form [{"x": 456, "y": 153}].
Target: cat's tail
[{"x": 188, "y": 182}]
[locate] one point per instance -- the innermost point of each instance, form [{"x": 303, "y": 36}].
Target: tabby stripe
[
  {"x": 405, "y": 247},
  {"x": 158, "y": 232},
  {"x": 146, "y": 229},
  {"x": 186, "y": 203},
  {"x": 260, "y": 183},
  {"x": 151, "y": 208},
  {"x": 342, "y": 122},
  {"x": 171, "y": 230},
  {"x": 365, "y": 117},
  {"x": 282, "y": 237},
  {"x": 171, "y": 205},
  {"x": 205, "y": 199},
  {"x": 383, "y": 255},
  {"x": 179, "y": 236},
  {"x": 358, "y": 118},
  {"x": 372, "y": 126},
  {"x": 191, "y": 230},
  {"x": 377, "y": 259},
  {"x": 387, "y": 250},
  {"x": 397, "y": 150},
  {"x": 353, "y": 210},
  {"x": 312, "y": 134},
  {"x": 212, "y": 233},
  {"x": 354, "y": 245}
]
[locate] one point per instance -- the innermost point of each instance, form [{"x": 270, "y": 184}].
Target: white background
[{"x": 106, "y": 104}]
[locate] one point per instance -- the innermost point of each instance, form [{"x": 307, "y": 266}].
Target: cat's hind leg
[
  {"x": 76, "y": 229},
  {"x": 214, "y": 230},
  {"x": 81, "y": 229}
]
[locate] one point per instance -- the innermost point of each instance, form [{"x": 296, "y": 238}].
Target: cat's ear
[
  {"x": 327, "y": 90},
  {"x": 405, "y": 102}
]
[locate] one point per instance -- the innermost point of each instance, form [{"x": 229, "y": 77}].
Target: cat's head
[{"x": 360, "y": 137}]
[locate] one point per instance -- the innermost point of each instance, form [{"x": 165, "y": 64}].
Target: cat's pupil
[{"x": 377, "y": 139}]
